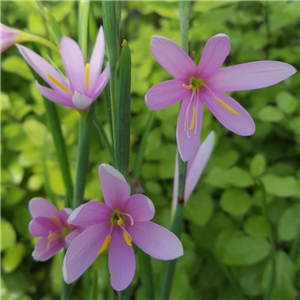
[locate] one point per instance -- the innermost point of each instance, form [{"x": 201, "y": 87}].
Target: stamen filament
[
  {"x": 227, "y": 106},
  {"x": 193, "y": 120},
  {"x": 55, "y": 81},
  {"x": 130, "y": 217},
  {"x": 86, "y": 77},
  {"x": 127, "y": 238},
  {"x": 105, "y": 244}
]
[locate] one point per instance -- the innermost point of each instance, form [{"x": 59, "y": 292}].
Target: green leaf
[
  {"x": 286, "y": 102},
  {"x": 123, "y": 112},
  {"x": 8, "y": 235},
  {"x": 13, "y": 257},
  {"x": 285, "y": 186},
  {"x": 199, "y": 208},
  {"x": 284, "y": 287},
  {"x": 270, "y": 114},
  {"x": 256, "y": 226},
  {"x": 236, "y": 201},
  {"x": 35, "y": 182},
  {"x": 36, "y": 131},
  {"x": 289, "y": 223},
  {"x": 17, "y": 65},
  {"x": 53, "y": 27},
  {"x": 258, "y": 165},
  {"x": 245, "y": 250}
]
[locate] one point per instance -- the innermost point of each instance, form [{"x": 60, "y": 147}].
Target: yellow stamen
[
  {"x": 227, "y": 107},
  {"x": 119, "y": 222},
  {"x": 69, "y": 226},
  {"x": 56, "y": 222},
  {"x": 105, "y": 244},
  {"x": 194, "y": 119},
  {"x": 187, "y": 87},
  {"x": 75, "y": 92},
  {"x": 127, "y": 238},
  {"x": 55, "y": 81},
  {"x": 86, "y": 78}
]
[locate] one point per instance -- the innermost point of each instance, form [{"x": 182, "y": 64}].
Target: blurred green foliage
[{"x": 229, "y": 253}]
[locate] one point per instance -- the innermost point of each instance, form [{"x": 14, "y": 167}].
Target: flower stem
[
  {"x": 28, "y": 37},
  {"x": 84, "y": 6},
  {"x": 169, "y": 269},
  {"x": 83, "y": 156}
]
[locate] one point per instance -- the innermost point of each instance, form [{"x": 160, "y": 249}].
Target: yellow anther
[
  {"x": 56, "y": 222},
  {"x": 86, "y": 77},
  {"x": 187, "y": 87},
  {"x": 105, "y": 244},
  {"x": 55, "y": 81},
  {"x": 194, "y": 119},
  {"x": 119, "y": 222},
  {"x": 227, "y": 107},
  {"x": 75, "y": 92},
  {"x": 127, "y": 238}
]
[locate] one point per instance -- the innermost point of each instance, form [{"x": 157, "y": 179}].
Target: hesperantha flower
[
  {"x": 206, "y": 84},
  {"x": 117, "y": 224},
  {"x": 8, "y": 37},
  {"x": 194, "y": 171},
  {"x": 84, "y": 82},
  {"x": 51, "y": 226}
]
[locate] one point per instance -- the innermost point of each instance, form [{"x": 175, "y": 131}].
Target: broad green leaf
[
  {"x": 285, "y": 186},
  {"x": 289, "y": 223},
  {"x": 18, "y": 66},
  {"x": 270, "y": 114},
  {"x": 258, "y": 165},
  {"x": 284, "y": 287},
  {"x": 236, "y": 201},
  {"x": 8, "y": 235},
  {"x": 35, "y": 182},
  {"x": 13, "y": 257},
  {"x": 36, "y": 131},
  {"x": 286, "y": 102},
  {"x": 199, "y": 208},
  {"x": 256, "y": 226},
  {"x": 245, "y": 250}
]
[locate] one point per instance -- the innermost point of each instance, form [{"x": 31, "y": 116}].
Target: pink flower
[
  {"x": 195, "y": 168},
  {"x": 52, "y": 226},
  {"x": 206, "y": 84},
  {"x": 118, "y": 223},
  {"x": 8, "y": 37},
  {"x": 85, "y": 82}
]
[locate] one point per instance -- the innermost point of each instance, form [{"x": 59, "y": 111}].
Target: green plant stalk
[
  {"x": 83, "y": 15},
  {"x": 294, "y": 252},
  {"x": 28, "y": 37},
  {"x": 269, "y": 291},
  {"x": 103, "y": 136},
  {"x": 83, "y": 156},
  {"x": 169, "y": 269},
  {"x": 65, "y": 288}
]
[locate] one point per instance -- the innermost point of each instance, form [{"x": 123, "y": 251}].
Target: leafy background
[{"x": 229, "y": 253}]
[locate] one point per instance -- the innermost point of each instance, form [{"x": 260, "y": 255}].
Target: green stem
[
  {"x": 83, "y": 156},
  {"x": 112, "y": 89},
  {"x": 269, "y": 291},
  {"x": 83, "y": 26},
  {"x": 294, "y": 252},
  {"x": 103, "y": 136},
  {"x": 28, "y": 37},
  {"x": 169, "y": 268}
]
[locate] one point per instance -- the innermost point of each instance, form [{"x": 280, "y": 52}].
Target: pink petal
[
  {"x": 197, "y": 165},
  {"x": 40, "y": 226},
  {"x": 249, "y": 76},
  {"x": 44, "y": 250},
  {"x": 70, "y": 237},
  {"x": 214, "y": 54},
  {"x": 114, "y": 186},
  {"x": 42, "y": 67},
  {"x": 40, "y": 207},
  {"x": 90, "y": 213},
  {"x": 83, "y": 251},
  {"x": 97, "y": 57},
  {"x": 64, "y": 215},
  {"x": 100, "y": 84},
  {"x": 156, "y": 240},
  {"x": 139, "y": 207},
  {"x": 121, "y": 261},
  {"x": 241, "y": 124},
  {"x": 165, "y": 94},
  {"x": 54, "y": 96},
  {"x": 74, "y": 63},
  {"x": 188, "y": 140},
  {"x": 172, "y": 58},
  {"x": 81, "y": 102}
]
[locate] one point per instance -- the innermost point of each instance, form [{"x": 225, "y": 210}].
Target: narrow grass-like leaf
[
  {"x": 83, "y": 26},
  {"x": 123, "y": 112}
]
